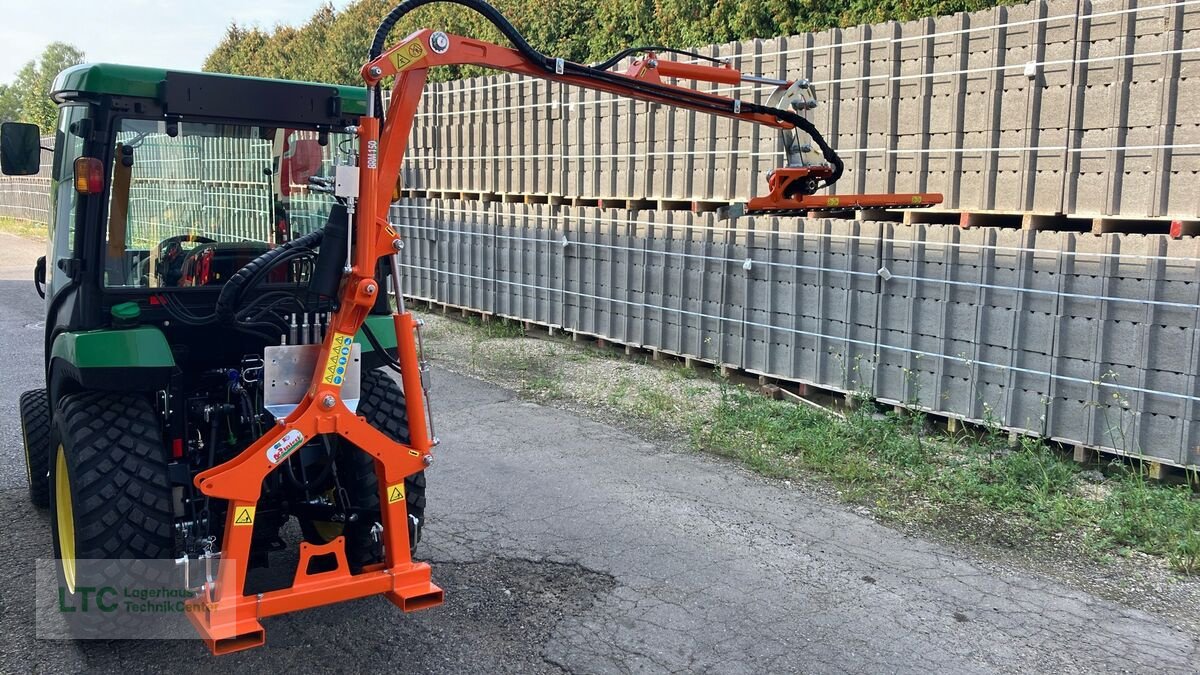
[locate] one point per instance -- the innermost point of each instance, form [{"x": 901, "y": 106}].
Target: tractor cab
[{"x": 164, "y": 184}]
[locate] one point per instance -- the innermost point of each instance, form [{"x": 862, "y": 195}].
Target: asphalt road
[{"x": 564, "y": 544}]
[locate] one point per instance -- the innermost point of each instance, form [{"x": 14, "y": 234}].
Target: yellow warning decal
[
  {"x": 833, "y": 201},
  {"x": 339, "y": 359},
  {"x": 407, "y": 57},
  {"x": 916, "y": 199},
  {"x": 244, "y": 515},
  {"x": 396, "y": 493}
]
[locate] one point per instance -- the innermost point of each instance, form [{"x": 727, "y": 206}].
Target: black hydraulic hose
[
  {"x": 807, "y": 127},
  {"x": 488, "y": 12},
  {"x": 231, "y": 293},
  {"x": 694, "y": 98},
  {"x": 388, "y": 360}
]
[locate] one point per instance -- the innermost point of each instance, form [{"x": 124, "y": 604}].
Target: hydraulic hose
[
  {"x": 488, "y": 12},
  {"x": 697, "y": 99},
  {"x": 231, "y": 293}
]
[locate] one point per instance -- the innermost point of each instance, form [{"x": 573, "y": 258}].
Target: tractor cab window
[
  {"x": 68, "y": 146},
  {"x": 191, "y": 203}
]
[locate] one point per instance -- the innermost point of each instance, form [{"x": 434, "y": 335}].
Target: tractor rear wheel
[
  {"x": 112, "y": 500},
  {"x": 35, "y": 435},
  {"x": 381, "y": 402}
]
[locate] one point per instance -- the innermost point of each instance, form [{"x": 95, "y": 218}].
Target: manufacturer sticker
[
  {"x": 285, "y": 446},
  {"x": 833, "y": 201},
  {"x": 339, "y": 359},
  {"x": 244, "y": 515},
  {"x": 409, "y": 56},
  {"x": 396, "y": 493}
]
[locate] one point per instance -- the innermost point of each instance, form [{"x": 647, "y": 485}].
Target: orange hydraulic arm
[
  {"x": 227, "y": 618},
  {"x": 792, "y": 187}
]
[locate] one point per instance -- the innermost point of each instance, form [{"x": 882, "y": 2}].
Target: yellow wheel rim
[
  {"x": 65, "y": 515},
  {"x": 25, "y": 442},
  {"x": 328, "y": 530}
]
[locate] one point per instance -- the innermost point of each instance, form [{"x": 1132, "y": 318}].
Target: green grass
[
  {"x": 496, "y": 328},
  {"x": 26, "y": 229},
  {"x": 1027, "y": 495},
  {"x": 972, "y": 485}
]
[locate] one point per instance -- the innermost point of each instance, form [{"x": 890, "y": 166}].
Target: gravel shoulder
[{"x": 668, "y": 403}]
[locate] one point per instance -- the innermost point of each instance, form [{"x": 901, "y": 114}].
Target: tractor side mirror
[{"x": 20, "y": 149}]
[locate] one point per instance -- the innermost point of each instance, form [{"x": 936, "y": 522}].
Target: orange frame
[{"x": 227, "y": 619}]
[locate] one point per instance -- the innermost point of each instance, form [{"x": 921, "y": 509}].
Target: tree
[
  {"x": 28, "y": 98},
  {"x": 10, "y": 105},
  {"x": 333, "y": 44}
]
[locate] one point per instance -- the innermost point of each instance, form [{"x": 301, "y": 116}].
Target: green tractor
[{"x": 165, "y": 187}]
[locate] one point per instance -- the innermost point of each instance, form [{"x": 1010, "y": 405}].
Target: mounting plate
[{"x": 288, "y": 372}]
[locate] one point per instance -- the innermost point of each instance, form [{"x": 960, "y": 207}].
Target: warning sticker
[
  {"x": 286, "y": 445},
  {"x": 396, "y": 493},
  {"x": 339, "y": 357},
  {"x": 409, "y": 56},
  {"x": 244, "y": 515}
]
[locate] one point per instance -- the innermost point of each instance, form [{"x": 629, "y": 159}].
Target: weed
[
  {"x": 543, "y": 387},
  {"x": 1027, "y": 495},
  {"x": 889, "y": 460},
  {"x": 495, "y": 329},
  {"x": 26, "y": 229}
]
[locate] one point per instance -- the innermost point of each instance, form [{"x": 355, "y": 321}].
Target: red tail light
[{"x": 89, "y": 176}]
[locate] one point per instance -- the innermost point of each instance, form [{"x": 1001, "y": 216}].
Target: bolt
[
  {"x": 652, "y": 63},
  {"x": 397, "y": 244},
  {"x": 436, "y": 441},
  {"x": 427, "y": 460},
  {"x": 375, "y": 71},
  {"x": 351, "y": 129},
  {"x": 328, "y": 401},
  {"x": 439, "y": 42},
  {"x": 420, "y": 322},
  {"x": 370, "y": 289}
]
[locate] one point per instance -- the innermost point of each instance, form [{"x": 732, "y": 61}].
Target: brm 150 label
[
  {"x": 285, "y": 446},
  {"x": 339, "y": 358}
]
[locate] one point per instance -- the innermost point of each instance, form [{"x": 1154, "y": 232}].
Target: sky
[{"x": 165, "y": 33}]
